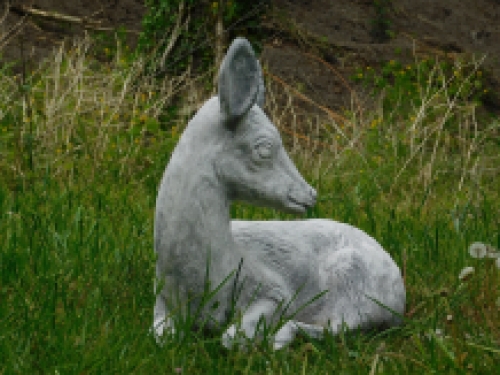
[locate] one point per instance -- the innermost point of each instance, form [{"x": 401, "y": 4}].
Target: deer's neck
[
  {"x": 194, "y": 225},
  {"x": 210, "y": 209}
]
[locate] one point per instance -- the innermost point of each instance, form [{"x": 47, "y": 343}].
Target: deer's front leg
[
  {"x": 161, "y": 322},
  {"x": 285, "y": 335},
  {"x": 262, "y": 309}
]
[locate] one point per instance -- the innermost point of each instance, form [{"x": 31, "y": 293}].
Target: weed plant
[
  {"x": 381, "y": 23},
  {"x": 82, "y": 149},
  {"x": 176, "y": 30}
]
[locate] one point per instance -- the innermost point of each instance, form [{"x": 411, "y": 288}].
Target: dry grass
[{"x": 75, "y": 108}]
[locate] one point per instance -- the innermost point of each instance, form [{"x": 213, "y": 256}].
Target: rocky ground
[
  {"x": 312, "y": 45},
  {"x": 343, "y": 33}
]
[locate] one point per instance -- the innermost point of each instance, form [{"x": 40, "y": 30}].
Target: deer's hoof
[
  {"x": 160, "y": 328},
  {"x": 285, "y": 335},
  {"x": 229, "y": 337},
  {"x": 234, "y": 337}
]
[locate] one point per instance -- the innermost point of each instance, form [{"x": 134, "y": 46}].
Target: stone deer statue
[{"x": 230, "y": 151}]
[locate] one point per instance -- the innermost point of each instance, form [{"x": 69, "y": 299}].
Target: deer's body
[
  {"x": 231, "y": 151},
  {"x": 317, "y": 255}
]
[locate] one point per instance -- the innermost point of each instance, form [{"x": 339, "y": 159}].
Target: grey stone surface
[{"x": 231, "y": 151}]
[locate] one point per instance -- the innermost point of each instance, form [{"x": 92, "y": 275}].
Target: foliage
[
  {"x": 381, "y": 24},
  {"x": 108, "y": 49},
  {"x": 463, "y": 81},
  {"x": 197, "y": 21}
]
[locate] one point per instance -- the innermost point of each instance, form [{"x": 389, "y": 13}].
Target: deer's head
[{"x": 252, "y": 163}]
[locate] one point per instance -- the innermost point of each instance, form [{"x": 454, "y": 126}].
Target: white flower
[
  {"x": 478, "y": 250},
  {"x": 466, "y": 273}
]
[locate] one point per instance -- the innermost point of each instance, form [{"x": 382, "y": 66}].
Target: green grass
[{"x": 76, "y": 233}]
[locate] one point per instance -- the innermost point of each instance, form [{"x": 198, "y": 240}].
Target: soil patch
[{"x": 314, "y": 46}]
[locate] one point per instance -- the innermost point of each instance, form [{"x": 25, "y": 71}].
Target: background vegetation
[
  {"x": 83, "y": 144},
  {"x": 183, "y": 33}
]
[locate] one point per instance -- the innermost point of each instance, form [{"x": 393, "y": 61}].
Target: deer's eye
[{"x": 263, "y": 150}]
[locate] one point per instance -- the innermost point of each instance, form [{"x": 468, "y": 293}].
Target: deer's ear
[{"x": 239, "y": 81}]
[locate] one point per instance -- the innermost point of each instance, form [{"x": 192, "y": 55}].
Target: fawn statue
[{"x": 229, "y": 151}]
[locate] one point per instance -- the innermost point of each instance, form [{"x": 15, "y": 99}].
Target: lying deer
[{"x": 231, "y": 151}]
